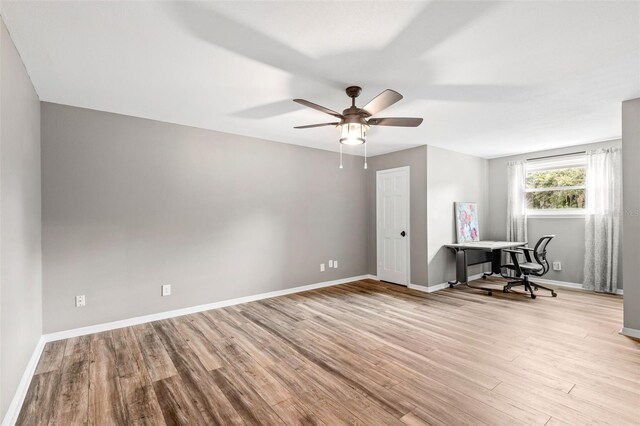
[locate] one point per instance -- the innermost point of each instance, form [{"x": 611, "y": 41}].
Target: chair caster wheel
[
  {"x": 490, "y": 293},
  {"x": 554, "y": 294},
  {"x": 535, "y": 289},
  {"x": 484, "y": 277},
  {"x": 533, "y": 296},
  {"x": 504, "y": 290}
]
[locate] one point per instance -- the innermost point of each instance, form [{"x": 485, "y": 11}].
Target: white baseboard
[
  {"x": 630, "y": 332},
  {"x": 434, "y": 288},
  {"x": 11, "y": 416},
  {"x": 566, "y": 284},
  {"x": 426, "y": 289},
  {"x": 97, "y": 328},
  {"x": 13, "y": 411}
]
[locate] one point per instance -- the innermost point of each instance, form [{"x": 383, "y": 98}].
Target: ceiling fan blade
[
  {"x": 382, "y": 101},
  {"x": 395, "y": 121},
  {"x": 308, "y": 126},
  {"x": 318, "y": 107}
]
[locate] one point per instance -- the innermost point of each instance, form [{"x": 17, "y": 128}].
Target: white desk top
[{"x": 486, "y": 245}]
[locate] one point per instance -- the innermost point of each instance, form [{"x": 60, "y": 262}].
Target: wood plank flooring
[{"x": 363, "y": 353}]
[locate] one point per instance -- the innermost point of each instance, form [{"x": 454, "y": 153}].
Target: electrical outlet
[
  {"x": 80, "y": 301},
  {"x": 557, "y": 266},
  {"x": 335, "y": 264},
  {"x": 322, "y": 267},
  {"x": 331, "y": 264},
  {"x": 166, "y": 290}
]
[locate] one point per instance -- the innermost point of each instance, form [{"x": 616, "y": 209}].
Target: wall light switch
[
  {"x": 557, "y": 266},
  {"x": 80, "y": 301},
  {"x": 331, "y": 264},
  {"x": 322, "y": 267},
  {"x": 166, "y": 290},
  {"x": 335, "y": 264}
]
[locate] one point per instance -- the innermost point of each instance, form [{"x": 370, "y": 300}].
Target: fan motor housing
[{"x": 353, "y": 115}]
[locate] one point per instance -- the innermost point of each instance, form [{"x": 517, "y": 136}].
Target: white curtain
[
  {"x": 516, "y": 201},
  {"x": 602, "y": 221}
]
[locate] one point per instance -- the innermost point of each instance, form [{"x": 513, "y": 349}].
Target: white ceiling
[{"x": 490, "y": 79}]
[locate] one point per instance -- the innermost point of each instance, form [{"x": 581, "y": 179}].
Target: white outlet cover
[
  {"x": 335, "y": 264},
  {"x": 80, "y": 301},
  {"x": 331, "y": 264},
  {"x": 557, "y": 266},
  {"x": 166, "y": 290},
  {"x": 322, "y": 267}
]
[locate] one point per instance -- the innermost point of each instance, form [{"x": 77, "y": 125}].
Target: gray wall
[
  {"x": 631, "y": 206},
  {"x": 452, "y": 177},
  {"x": 130, "y": 204},
  {"x": 416, "y": 159},
  {"x": 20, "y": 249},
  {"x": 568, "y": 246}
]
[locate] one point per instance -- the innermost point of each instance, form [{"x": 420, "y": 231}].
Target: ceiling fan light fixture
[{"x": 353, "y": 133}]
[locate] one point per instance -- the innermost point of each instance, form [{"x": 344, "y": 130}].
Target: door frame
[{"x": 408, "y": 210}]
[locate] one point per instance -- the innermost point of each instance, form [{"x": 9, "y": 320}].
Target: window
[{"x": 556, "y": 186}]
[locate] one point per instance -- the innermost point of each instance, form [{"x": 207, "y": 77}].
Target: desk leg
[
  {"x": 496, "y": 263},
  {"x": 462, "y": 276},
  {"x": 461, "y": 268},
  {"x": 454, "y": 282}
]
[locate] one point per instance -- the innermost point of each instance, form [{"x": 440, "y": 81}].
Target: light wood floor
[{"x": 360, "y": 353}]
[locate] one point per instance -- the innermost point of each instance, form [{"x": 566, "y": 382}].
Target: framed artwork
[{"x": 466, "y": 222}]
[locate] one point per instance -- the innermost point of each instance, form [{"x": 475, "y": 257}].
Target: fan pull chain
[
  {"x": 365, "y": 156},
  {"x": 341, "y": 156}
]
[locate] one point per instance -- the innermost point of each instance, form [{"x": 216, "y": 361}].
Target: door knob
[{"x": 403, "y": 233}]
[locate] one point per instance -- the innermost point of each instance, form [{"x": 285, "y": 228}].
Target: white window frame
[{"x": 564, "y": 162}]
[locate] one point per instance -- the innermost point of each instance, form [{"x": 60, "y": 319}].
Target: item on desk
[{"x": 467, "y": 229}]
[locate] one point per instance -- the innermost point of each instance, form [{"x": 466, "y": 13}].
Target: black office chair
[{"x": 523, "y": 270}]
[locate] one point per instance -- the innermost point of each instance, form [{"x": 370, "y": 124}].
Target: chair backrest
[{"x": 540, "y": 253}]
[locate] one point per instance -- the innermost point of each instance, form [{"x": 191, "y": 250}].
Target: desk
[{"x": 475, "y": 253}]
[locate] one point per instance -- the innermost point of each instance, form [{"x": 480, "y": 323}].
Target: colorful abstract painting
[{"x": 467, "y": 222}]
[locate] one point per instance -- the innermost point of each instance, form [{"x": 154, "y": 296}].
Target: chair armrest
[
  {"x": 527, "y": 253},
  {"x": 514, "y": 259}
]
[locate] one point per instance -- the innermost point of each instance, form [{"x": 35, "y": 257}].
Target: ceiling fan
[{"x": 355, "y": 122}]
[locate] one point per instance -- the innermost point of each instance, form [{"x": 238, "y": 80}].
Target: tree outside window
[{"x": 556, "y": 186}]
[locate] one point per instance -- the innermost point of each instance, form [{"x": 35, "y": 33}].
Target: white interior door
[{"x": 392, "y": 213}]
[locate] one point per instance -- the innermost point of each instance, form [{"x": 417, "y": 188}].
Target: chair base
[{"x": 528, "y": 286}]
